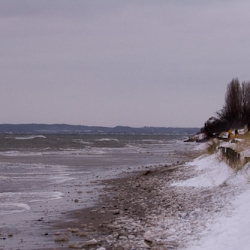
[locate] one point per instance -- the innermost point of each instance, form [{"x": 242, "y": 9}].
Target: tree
[
  {"x": 245, "y": 89},
  {"x": 236, "y": 110},
  {"x": 232, "y": 111}
]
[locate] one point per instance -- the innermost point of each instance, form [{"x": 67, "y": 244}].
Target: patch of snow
[
  {"x": 210, "y": 172},
  {"x": 228, "y": 144},
  {"x": 207, "y": 210},
  {"x": 229, "y": 233},
  {"x": 245, "y": 153},
  {"x": 242, "y": 177},
  {"x": 200, "y": 146}
]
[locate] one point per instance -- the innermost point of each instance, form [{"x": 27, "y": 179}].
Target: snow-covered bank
[
  {"x": 210, "y": 171},
  {"x": 229, "y": 232},
  {"x": 202, "y": 204},
  {"x": 231, "y": 229}
]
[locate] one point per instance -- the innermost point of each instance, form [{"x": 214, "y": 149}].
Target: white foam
[
  {"x": 61, "y": 179},
  {"x": 107, "y": 139},
  {"x": 153, "y": 140},
  {"x": 29, "y": 196},
  {"x": 30, "y": 137},
  {"x": 11, "y": 202},
  {"x": 11, "y": 208},
  {"x": 41, "y": 196},
  {"x": 20, "y": 153},
  {"x": 82, "y": 141}
]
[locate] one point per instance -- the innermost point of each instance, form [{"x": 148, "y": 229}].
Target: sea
[{"x": 44, "y": 176}]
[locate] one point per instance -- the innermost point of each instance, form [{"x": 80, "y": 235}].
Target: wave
[
  {"x": 30, "y": 137},
  {"x": 82, "y": 141},
  {"x": 21, "y": 153},
  {"x": 152, "y": 140},
  {"x": 12, "y": 208},
  {"x": 107, "y": 139},
  {"x": 12, "y": 202}
]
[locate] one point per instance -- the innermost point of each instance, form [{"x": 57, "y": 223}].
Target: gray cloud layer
[{"x": 93, "y": 62}]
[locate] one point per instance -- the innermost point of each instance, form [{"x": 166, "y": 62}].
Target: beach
[
  {"x": 200, "y": 204},
  {"x": 47, "y": 191},
  {"x": 149, "y": 193}
]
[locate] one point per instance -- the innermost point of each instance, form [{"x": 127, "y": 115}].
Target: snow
[
  {"x": 229, "y": 230},
  {"x": 203, "y": 204},
  {"x": 230, "y": 233},
  {"x": 200, "y": 146},
  {"x": 210, "y": 172}
]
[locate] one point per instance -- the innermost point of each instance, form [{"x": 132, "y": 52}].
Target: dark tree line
[{"x": 236, "y": 110}]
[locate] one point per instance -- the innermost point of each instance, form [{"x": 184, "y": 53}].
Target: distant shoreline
[{"x": 81, "y": 129}]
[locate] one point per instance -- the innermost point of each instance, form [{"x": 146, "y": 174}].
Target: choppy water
[
  {"x": 43, "y": 168},
  {"x": 80, "y": 144}
]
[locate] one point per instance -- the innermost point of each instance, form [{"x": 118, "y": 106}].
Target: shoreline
[
  {"x": 131, "y": 193},
  {"x": 132, "y": 199}
]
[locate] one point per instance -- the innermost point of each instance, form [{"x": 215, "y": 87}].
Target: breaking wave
[{"x": 30, "y": 137}]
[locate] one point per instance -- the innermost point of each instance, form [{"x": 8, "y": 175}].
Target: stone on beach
[
  {"x": 73, "y": 230},
  {"x": 91, "y": 242},
  {"x": 148, "y": 236},
  {"x": 116, "y": 212},
  {"x": 83, "y": 234},
  {"x": 61, "y": 238},
  {"x": 75, "y": 245}
]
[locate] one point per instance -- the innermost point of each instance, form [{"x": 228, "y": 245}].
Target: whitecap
[
  {"x": 11, "y": 208},
  {"x": 107, "y": 139},
  {"x": 30, "y": 137}
]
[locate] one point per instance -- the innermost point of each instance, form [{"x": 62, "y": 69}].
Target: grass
[
  {"x": 230, "y": 157},
  {"x": 245, "y": 143},
  {"x": 213, "y": 145}
]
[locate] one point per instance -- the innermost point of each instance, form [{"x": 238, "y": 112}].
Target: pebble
[
  {"x": 116, "y": 212},
  {"x": 61, "y": 239},
  {"x": 83, "y": 234},
  {"x": 123, "y": 238},
  {"x": 73, "y": 230},
  {"x": 148, "y": 236},
  {"x": 74, "y": 245},
  {"x": 91, "y": 242}
]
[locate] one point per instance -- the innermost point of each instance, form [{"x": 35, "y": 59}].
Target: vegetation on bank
[
  {"x": 228, "y": 132},
  {"x": 235, "y": 113}
]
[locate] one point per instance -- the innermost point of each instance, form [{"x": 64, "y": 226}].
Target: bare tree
[
  {"x": 236, "y": 110},
  {"x": 245, "y": 89},
  {"x": 232, "y": 110}
]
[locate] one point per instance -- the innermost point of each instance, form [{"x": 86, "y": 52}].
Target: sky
[{"x": 162, "y": 63}]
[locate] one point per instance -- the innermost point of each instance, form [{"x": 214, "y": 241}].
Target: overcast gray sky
[{"x": 120, "y": 62}]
